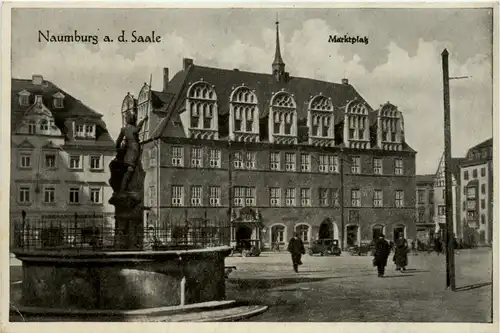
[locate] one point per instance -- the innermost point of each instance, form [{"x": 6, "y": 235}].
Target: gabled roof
[
  {"x": 51, "y": 145},
  {"x": 484, "y": 144},
  {"x": 26, "y": 144},
  {"x": 72, "y": 107}
]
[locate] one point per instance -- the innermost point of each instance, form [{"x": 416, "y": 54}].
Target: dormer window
[
  {"x": 44, "y": 125},
  {"x": 80, "y": 130},
  {"x": 244, "y": 115},
  {"x": 201, "y": 108},
  {"x": 90, "y": 131},
  {"x": 24, "y": 98},
  {"x": 320, "y": 121},
  {"x": 356, "y": 126},
  {"x": 38, "y": 100},
  {"x": 390, "y": 133},
  {"x": 283, "y": 118},
  {"x": 58, "y": 100}
]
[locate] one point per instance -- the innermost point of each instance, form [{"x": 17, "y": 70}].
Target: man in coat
[
  {"x": 296, "y": 249},
  {"x": 401, "y": 254},
  {"x": 382, "y": 251}
]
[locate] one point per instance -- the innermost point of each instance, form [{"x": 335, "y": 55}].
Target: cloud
[{"x": 413, "y": 81}]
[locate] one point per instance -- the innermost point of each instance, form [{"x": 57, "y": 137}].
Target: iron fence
[{"x": 97, "y": 232}]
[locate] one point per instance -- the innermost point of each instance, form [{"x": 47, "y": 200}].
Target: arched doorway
[
  {"x": 243, "y": 232},
  {"x": 325, "y": 230},
  {"x": 352, "y": 235},
  {"x": 399, "y": 230},
  {"x": 377, "y": 230}
]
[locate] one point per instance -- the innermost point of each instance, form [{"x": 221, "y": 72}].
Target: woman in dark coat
[
  {"x": 382, "y": 251},
  {"x": 296, "y": 249},
  {"x": 401, "y": 254}
]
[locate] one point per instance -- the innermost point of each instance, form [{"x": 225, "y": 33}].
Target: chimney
[
  {"x": 37, "y": 80},
  {"x": 236, "y": 69},
  {"x": 187, "y": 62},
  {"x": 165, "y": 79},
  {"x": 345, "y": 81}
]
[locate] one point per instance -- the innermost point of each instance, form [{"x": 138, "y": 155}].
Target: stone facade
[{"x": 425, "y": 208}]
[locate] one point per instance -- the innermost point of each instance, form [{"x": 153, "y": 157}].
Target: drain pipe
[{"x": 183, "y": 283}]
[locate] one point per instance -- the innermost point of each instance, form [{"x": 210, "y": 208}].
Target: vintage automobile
[
  {"x": 363, "y": 249},
  {"x": 247, "y": 248},
  {"x": 325, "y": 247}
]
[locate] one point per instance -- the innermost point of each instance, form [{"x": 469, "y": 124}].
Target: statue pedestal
[{"x": 129, "y": 228}]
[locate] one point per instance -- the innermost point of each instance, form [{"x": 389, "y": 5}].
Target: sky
[{"x": 401, "y": 62}]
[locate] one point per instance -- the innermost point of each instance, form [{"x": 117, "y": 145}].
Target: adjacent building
[
  {"x": 425, "y": 208},
  {"x": 440, "y": 197},
  {"x": 275, "y": 155},
  {"x": 60, "y": 150},
  {"x": 476, "y": 187}
]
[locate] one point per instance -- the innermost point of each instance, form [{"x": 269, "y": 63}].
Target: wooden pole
[
  {"x": 450, "y": 255},
  {"x": 342, "y": 218}
]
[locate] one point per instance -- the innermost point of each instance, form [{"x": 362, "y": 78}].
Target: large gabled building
[
  {"x": 275, "y": 154},
  {"x": 60, "y": 150}
]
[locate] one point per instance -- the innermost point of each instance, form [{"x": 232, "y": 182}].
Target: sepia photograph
[{"x": 252, "y": 164}]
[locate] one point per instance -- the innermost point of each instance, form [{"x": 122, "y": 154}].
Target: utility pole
[
  {"x": 342, "y": 222},
  {"x": 449, "y": 239},
  {"x": 230, "y": 189}
]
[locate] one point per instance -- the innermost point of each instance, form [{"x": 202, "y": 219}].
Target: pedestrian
[
  {"x": 381, "y": 253},
  {"x": 401, "y": 254},
  {"x": 296, "y": 249},
  {"x": 438, "y": 247}
]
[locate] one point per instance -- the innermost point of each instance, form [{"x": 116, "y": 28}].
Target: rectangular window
[
  {"x": 474, "y": 173},
  {"x": 80, "y": 130},
  {"x": 215, "y": 158},
  {"x": 152, "y": 156},
  {"x": 483, "y": 219},
  {"x": 483, "y": 172},
  {"x": 466, "y": 175},
  {"x": 305, "y": 197},
  {"x": 355, "y": 198},
  {"x": 196, "y": 157},
  {"x": 90, "y": 131},
  {"x": 50, "y": 161},
  {"x": 483, "y": 204},
  {"x": 177, "y": 156},
  {"x": 421, "y": 197},
  {"x": 399, "y": 198},
  {"x": 398, "y": 166},
  {"x": 471, "y": 215},
  {"x": 275, "y": 197},
  {"x": 244, "y": 196},
  {"x": 356, "y": 165},
  {"x": 443, "y": 194},
  {"x": 483, "y": 188},
  {"x": 324, "y": 197},
  {"x": 441, "y": 210},
  {"x": 238, "y": 160},
  {"x": 323, "y": 163},
  {"x": 75, "y": 162},
  {"x": 335, "y": 197},
  {"x": 95, "y": 162},
  {"x": 31, "y": 127},
  {"x": 290, "y": 197},
  {"x": 431, "y": 197},
  {"x": 25, "y": 160},
  {"x": 214, "y": 196},
  {"x": 96, "y": 195},
  {"x": 250, "y": 160},
  {"x": 333, "y": 164},
  {"x": 196, "y": 195},
  {"x": 152, "y": 195},
  {"x": 290, "y": 161},
  {"x": 377, "y": 198},
  {"x": 74, "y": 195},
  {"x": 421, "y": 215},
  {"x": 471, "y": 192},
  {"x": 177, "y": 195},
  {"x": 49, "y": 194},
  {"x": 377, "y": 166},
  {"x": 305, "y": 162},
  {"x": 275, "y": 161},
  {"x": 25, "y": 194}
]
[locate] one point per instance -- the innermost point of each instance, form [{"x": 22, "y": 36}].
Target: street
[{"x": 347, "y": 289}]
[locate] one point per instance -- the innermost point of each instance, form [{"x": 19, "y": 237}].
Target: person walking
[
  {"x": 438, "y": 245},
  {"x": 401, "y": 254},
  {"x": 381, "y": 253},
  {"x": 296, "y": 249}
]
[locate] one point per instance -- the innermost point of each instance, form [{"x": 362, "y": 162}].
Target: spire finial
[{"x": 278, "y": 63}]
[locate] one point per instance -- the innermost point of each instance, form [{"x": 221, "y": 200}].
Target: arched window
[
  {"x": 357, "y": 129},
  {"x": 202, "y": 107},
  {"x": 143, "y": 108},
  {"x": 390, "y": 136},
  {"x": 44, "y": 125},
  {"x": 321, "y": 113},
  {"x": 303, "y": 231},
  {"x": 244, "y": 110},
  {"x": 278, "y": 234},
  {"x": 127, "y": 106},
  {"x": 377, "y": 231},
  {"x": 283, "y": 114}
]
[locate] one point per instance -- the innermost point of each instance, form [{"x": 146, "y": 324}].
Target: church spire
[{"x": 278, "y": 64}]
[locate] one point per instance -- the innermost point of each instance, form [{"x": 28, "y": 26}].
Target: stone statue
[{"x": 126, "y": 165}]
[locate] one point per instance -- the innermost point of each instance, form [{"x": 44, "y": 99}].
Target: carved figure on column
[{"x": 126, "y": 165}]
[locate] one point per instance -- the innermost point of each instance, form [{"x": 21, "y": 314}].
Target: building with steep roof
[
  {"x": 60, "y": 149},
  {"x": 476, "y": 186},
  {"x": 275, "y": 154}
]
